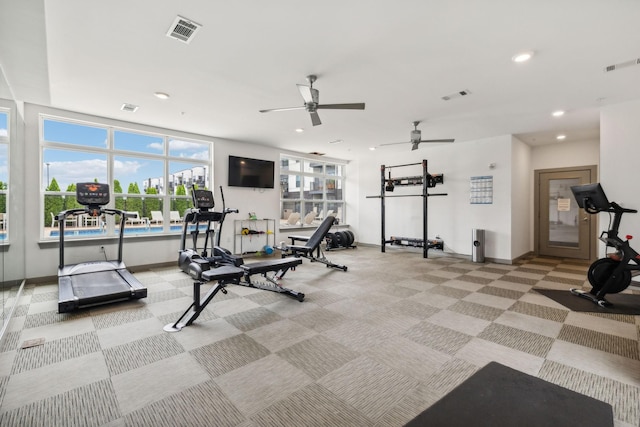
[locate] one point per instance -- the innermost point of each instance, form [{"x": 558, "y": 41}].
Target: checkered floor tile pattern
[{"x": 373, "y": 346}]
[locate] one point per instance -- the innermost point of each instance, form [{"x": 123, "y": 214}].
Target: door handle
[{"x": 586, "y": 218}]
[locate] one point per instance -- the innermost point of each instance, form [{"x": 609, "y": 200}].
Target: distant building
[{"x": 196, "y": 175}]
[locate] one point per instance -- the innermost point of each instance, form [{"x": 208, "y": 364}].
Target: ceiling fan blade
[
  {"x": 355, "y": 106},
  {"x": 394, "y": 143},
  {"x": 282, "y": 109},
  {"x": 437, "y": 140},
  {"x": 415, "y": 144},
  {"x": 305, "y": 91},
  {"x": 315, "y": 118}
]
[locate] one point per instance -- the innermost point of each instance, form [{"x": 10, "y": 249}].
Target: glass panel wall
[
  {"x": 4, "y": 219},
  {"x": 4, "y": 175}
]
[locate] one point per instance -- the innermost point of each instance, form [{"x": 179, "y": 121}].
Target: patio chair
[
  {"x": 293, "y": 218},
  {"x": 70, "y": 220},
  {"x": 309, "y": 218},
  {"x": 174, "y": 217},
  {"x": 133, "y": 218},
  {"x": 156, "y": 217}
]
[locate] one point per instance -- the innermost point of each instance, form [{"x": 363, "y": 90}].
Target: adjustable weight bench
[
  {"x": 280, "y": 266},
  {"x": 222, "y": 275},
  {"x": 313, "y": 245}
]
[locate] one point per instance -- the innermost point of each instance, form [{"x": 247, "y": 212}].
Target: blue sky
[{"x": 71, "y": 166}]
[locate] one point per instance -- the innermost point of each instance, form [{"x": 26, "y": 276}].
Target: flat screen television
[{"x": 254, "y": 173}]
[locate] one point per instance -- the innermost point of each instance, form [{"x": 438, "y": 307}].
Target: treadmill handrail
[{"x": 109, "y": 211}]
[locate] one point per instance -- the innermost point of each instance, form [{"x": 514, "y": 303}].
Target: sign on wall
[{"x": 481, "y": 190}]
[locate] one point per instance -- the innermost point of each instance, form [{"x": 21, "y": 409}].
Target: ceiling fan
[
  {"x": 416, "y": 138},
  {"x": 311, "y": 102}
]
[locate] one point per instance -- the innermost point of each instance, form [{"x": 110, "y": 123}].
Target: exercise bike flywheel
[{"x": 601, "y": 270}]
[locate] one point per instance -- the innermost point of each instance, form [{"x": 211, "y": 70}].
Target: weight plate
[{"x": 350, "y": 236}]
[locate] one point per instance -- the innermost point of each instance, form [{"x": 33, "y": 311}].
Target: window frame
[
  {"x": 167, "y": 195},
  {"x": 306, "y": 202},
  {"x": 6, "y": 141}
]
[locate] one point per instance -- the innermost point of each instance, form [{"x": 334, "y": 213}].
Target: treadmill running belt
[{"x": 99, "y": 284}]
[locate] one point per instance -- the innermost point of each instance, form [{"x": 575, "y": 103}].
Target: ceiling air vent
[
  {"x": 456, "y": 95},
  {"x": 183, "y": 29},
  {"x": 129, "y": 107},
  {"x": 622, "y": 65}
]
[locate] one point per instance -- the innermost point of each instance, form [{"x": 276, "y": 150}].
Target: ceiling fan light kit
[{"x": 312, "y": 104}]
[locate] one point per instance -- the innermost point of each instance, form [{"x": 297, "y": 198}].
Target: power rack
[{"x": 426, "y": 180}]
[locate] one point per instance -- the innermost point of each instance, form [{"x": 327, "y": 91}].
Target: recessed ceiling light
[
  {"x": 372, "y": 148},
  {"x": 557, "y": 113},
  {"x": 522, "y": 56},
  {"x": 561, "y": 137},
  {"x": 299, "y": 130},
  {"x": 162, "y": 95}
]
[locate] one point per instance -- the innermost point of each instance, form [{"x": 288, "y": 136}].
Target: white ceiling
[{"x": 399, "y": 57}]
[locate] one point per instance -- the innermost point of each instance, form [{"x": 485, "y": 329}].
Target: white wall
[
  {"x": 565, "y": 154},
  {"x": 265, "y": 202},
  {"x": 451, "y": 217},
  {"x": 619, "y": 160},
  {"x": 521, "y": 204}
]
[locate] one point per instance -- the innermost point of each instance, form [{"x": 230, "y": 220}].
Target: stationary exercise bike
[{"x": 611, "y": 274}]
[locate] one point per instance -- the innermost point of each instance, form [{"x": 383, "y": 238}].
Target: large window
[
  {"x": 310, "y": 190},
  {"x": 150, "y": 175},
  {"x": 4, "y": 174}
]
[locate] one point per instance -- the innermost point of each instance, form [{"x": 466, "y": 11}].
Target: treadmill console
[
  {"x": 92, "y": 193},
  {"x": 203, "y": 199}
]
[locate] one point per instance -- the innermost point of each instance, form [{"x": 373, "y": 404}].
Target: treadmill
[{"x": 95, "y": 282}]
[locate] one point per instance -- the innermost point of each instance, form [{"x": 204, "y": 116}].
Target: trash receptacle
[{"x": 477, "y": 249}]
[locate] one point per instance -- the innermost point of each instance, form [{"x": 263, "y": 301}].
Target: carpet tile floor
[{"x": 373, "y": 346}]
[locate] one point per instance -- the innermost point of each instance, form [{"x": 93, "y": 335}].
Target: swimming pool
[{"x": 130, "y": 230}]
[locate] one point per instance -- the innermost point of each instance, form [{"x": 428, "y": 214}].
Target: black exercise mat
[
  {"x": 498, "y": 396},
  {"x": 622, "y": 303}
]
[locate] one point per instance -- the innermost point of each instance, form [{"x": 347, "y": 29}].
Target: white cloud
[
  {"x": 156, "y": 146},
  {"x": 177, "y": 144},
  {"x": 4, "y": 132},
  {"x": 67, "y": 173},
  {"x": 125, "y": 168},
  {"x": 202, "y": 155}
]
